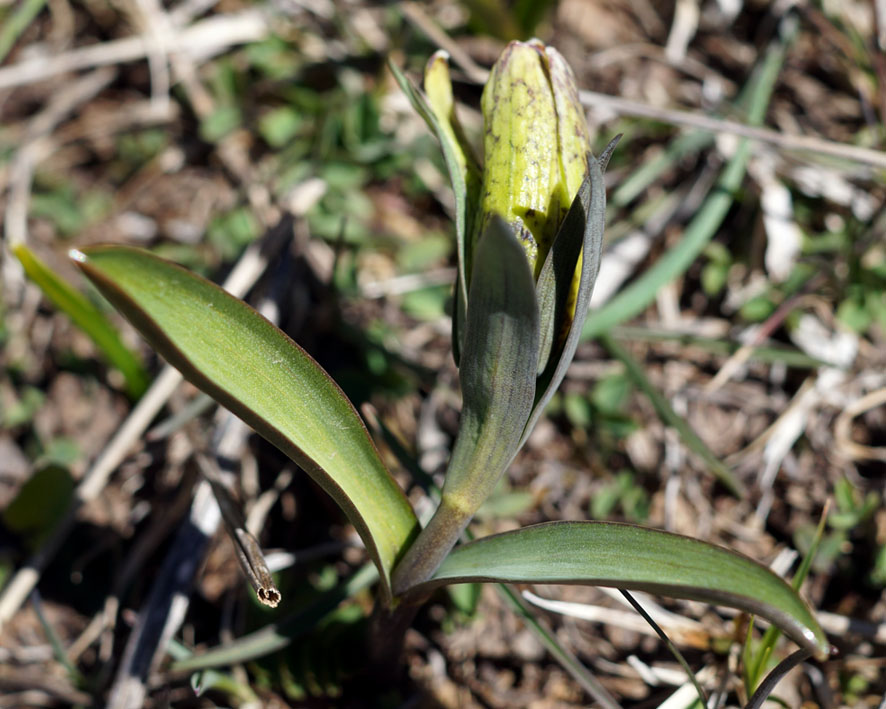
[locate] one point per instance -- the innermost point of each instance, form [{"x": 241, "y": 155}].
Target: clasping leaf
[
  {"x": 235, "y": 355},
  {"x": 636, "y": 558}
]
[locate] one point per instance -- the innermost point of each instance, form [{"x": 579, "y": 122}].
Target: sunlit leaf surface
[
  {"x": 234, "y": 354},
  {"x": 629, "y": 557}
]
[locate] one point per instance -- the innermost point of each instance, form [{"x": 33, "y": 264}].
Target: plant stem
[
  {"x": 431, "y": 546},
  {"x": 387, "y": 633}
]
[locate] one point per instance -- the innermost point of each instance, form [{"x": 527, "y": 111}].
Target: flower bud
[{"x": 536, "y": 144}]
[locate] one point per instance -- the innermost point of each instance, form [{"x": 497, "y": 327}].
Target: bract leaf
[
  {"x": 588, "y": 214},
  {"x": 634, "y": 558},
  {"x": 498, "y": 367},
  {"x": 464, "y": 175},
  {"x": 554, "y": 284},
  {"x": 603, "y": 160},
  {"x": 497, "y": 376},
  {"x": 236, "y": 356}
]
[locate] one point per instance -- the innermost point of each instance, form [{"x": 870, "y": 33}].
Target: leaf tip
[{"x": 819, "y": 645}]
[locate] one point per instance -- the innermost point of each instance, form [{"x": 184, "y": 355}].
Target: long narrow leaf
[
  {"x": 588, "y": 212},
  {"x": 231, "y": 352},
  {"x": 636, "y": 558},
  {"x": 87, "y": 317},
  {"x": 773, "y": 678},
  {"x": 562, "y": 654},
  {"x": 788, "y": 356},
  {"x": 650, "y": 171},
  {"x": 671, "y": 418},
  {"x": 634, "y": 299},
  {"x": 464, "y": 176},
  {"x": 18, "y": 22},
  {"x": 755, "y": 659},
  {"x": 497, "y": 379}
]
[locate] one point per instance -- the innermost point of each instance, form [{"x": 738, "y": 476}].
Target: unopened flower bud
[{"x": 536, "y": 144}]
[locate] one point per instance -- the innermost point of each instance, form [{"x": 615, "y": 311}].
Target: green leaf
[
  {"x": 465, "y": 597},
  {"x": 222, "y": 121},
  {"x": 279, "y": 126},
  {"x": 234, "y": 230},
  {"x": 577, "y": 410},
  {"x": 586, "y": 217},
  {"x": 498, "y": 366},
  {"x": 789, "y": 356},
  {"x": 427, "y": 304},
  {"x": 497, "y": 374},
  {"x": 236, "y": 356},
  {"x": 635, "y": 558},
  {"x": 87, "y": 317},
  {"x": 202, "y": 682},
  {"x": 21, "y": 408},
  {"x": 465, "y": 179},
  {"x": 554, "y": 285},
  {"x": 853, "y": 314},
  {"x": 633, "y": 299},
  {"x": 16, "y": 22},
  {"x": 40, "y": 504},
  {"x": 647, "y": 173}
]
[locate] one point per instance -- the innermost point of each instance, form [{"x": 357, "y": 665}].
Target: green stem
[{"x": 431, "y": 546}]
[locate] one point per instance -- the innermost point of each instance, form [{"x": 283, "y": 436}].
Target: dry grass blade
[
  {"x": 220, "y": 117},
  {"x": 22, "y": 169},
  {"x": 638, "y": 109},
  {"x": 204, "y": 38},
  {"x": 249, "y": 553},
  {"x": 781, "y": 141},
  {"x": 843, "y": 425}
]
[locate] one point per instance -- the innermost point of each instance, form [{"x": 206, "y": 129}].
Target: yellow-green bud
[{"x": 536, "y": 144}]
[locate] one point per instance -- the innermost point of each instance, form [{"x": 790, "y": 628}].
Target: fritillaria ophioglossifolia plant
[{"x": 529, "y": 229}]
